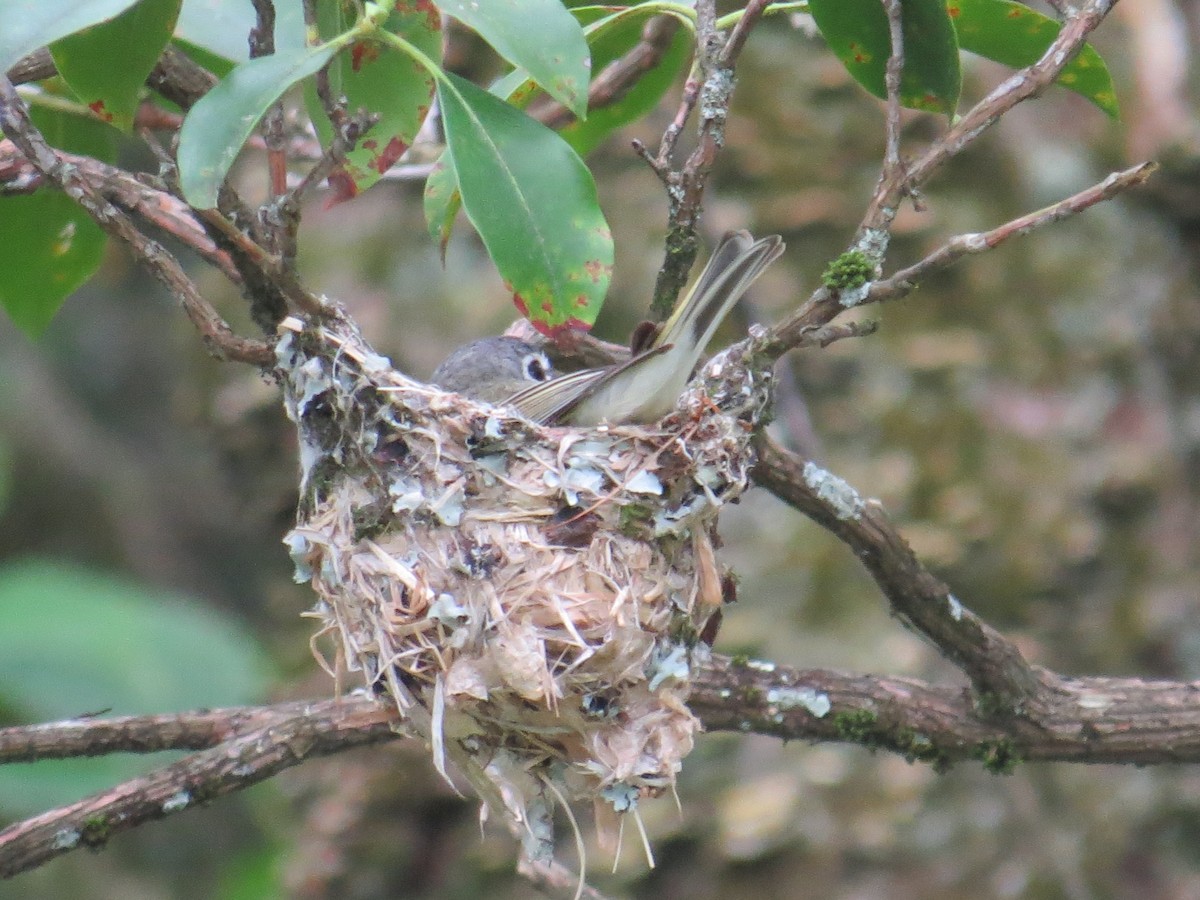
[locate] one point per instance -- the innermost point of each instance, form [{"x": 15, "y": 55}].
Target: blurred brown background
[{"x": 1031, "y": 418}]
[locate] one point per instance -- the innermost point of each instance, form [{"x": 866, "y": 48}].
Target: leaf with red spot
[
  {"x": 1017, "y": 36},
  {"x": 533, "y": 202},
  {"x": 857, "y": 33},
  {"x": 375, "y": 78},
  {"x": 442, "y": 202},
  {"x": 107, "y": 64}
]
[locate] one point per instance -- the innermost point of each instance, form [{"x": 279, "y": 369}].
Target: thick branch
[
  {"x": 96, "y": 736},
  {"x": 1085, "y": 720}
]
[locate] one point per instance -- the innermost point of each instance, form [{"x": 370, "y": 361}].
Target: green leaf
[
  {"x": 107, "y": 64},
  {"x": 442, "y": 197},
  {"x": 59, "y": 248},
  {"x": 219, "y": 66},
  {"x": 442, "y": 202},
  {"x": 219, "y": 124},
  {"x": 373, "y": 77},
  {"x": 74, "y": 642},
  {"x": 26, "y": 25},
  {"x": 57, "y": 243},
  {"x": 223, "y": 27},
  {"x": 539, "y": 36},
  {"x": 1017, "y": 36},
  {"x": 533, "y": 202},
  {"x": 857, "y": 32},
  {"x": 610, "y": 35}
]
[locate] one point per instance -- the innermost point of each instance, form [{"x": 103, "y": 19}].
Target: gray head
[{"x": 493, "y": 369}]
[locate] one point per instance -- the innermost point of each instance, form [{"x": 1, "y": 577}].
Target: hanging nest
[{"x": 532, "y": 598}]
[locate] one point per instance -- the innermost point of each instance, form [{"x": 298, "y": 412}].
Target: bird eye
[{"x": 536, "y": 366}]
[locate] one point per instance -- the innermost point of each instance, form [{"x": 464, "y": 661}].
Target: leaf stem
[{"x": 725, "y": 22}]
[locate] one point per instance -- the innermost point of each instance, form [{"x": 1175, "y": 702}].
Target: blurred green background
[{"x": 1031, "y": 418}]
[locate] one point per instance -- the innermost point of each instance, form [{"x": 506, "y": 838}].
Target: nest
[{"x": 532, "y": 598}]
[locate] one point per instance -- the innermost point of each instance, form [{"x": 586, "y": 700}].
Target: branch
[
  {"x": 279, "y": 230},
  {"x": 794, "y": 331},
  {"x": 178, "y": 79},
  {"x": 175, "y": 76},
  {"x": 1082, "y": 720},
  {"x": 247, "y": 759},
  {"x": 992, "y": 662},
  {"x": 1020, "y": 86},
  {"x": 905, "y": 281},
  {"x": 619, "y": 76},
  {"x": 893, "y": 169},
  {"x": 97, "y": 736},
  {"x": 897, "y": 180},
  {"x": 218, "y": 337},
  {"x": 128, "y": 191},
  {"x": 712, "y": 91},
  {"x": 268, "y": 282}
]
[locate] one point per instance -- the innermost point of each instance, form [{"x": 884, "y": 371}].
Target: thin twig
[
  {"x": 279, "y": 228},
  {"x": 257, "y": 266},
  {"x": 262, "y": 43},
  {"x": 218, "y": 337},
  {"x": 741, "y": 31},
  {"x": 345, "y": 138},
  {"x": 709, "y": 89},
  {"x": 904, "y": 281},
  {"x": 334, "y": 107},
  {"x": 1023, "y": 85},
  {"x": 893, "y": 74},
  {"x": 155, "y": 205},
  {"x": 619, "y": 76},
  {"x": 873, "y": 234},
  {"x": 687, "y": 103}
]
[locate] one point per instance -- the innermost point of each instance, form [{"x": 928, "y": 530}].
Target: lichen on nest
[{"x": 532, "y": 598}]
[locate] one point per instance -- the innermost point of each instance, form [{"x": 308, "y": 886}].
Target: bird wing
[
  {"x": 734, "y": 265},
  {"x": 549, "y": 401}
]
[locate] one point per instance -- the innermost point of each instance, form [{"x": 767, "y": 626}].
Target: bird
[
  {"x": 492, "y": 369},
  {"x": 511, "y": 372}
]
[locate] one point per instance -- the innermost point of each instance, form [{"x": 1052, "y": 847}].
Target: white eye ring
[{"x": 535, "y": 366}]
